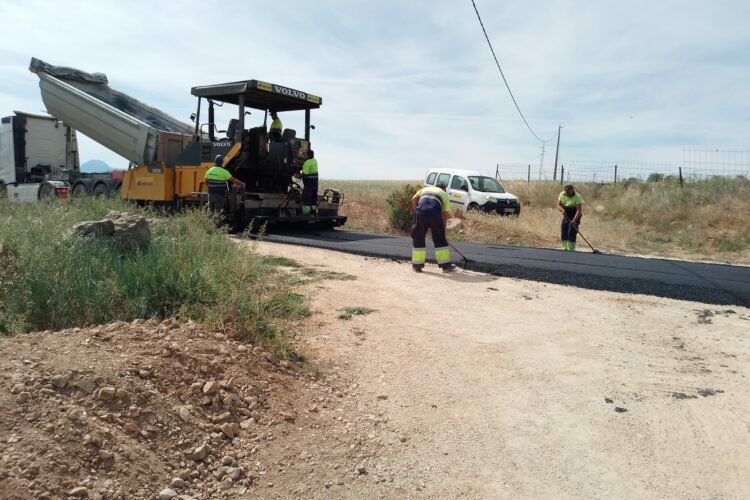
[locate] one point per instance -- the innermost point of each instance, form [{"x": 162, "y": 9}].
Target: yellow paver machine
[{"x": 169, "y": 158}]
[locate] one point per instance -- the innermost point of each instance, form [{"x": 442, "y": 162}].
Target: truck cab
[
  {"x": 37, "y": 156},
  {"x": 470, "y": 190},
  {"x": 39, "y": 160}
]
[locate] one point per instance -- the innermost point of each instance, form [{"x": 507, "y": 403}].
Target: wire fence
[{"x": 696, "y": 165}]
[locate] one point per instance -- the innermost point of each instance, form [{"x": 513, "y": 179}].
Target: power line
[{"x": 504, "y": 80}]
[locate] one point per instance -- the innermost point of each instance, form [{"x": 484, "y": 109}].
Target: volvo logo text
[{"x": 290, "y": 92}]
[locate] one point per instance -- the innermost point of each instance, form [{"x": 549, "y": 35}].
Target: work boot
[
  {"x": 417, "y": 268},
  {"x": 448, "y": 268}
]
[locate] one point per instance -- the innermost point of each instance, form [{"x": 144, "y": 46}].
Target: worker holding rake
[
  {"x": 569, "y": 203},
  {"x": 431, "y": 208}
]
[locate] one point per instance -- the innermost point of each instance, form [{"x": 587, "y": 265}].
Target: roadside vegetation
[
  {"x": 704, "y": 219},
  {"x": 52, "y": 279},
  {"x": 348, "y": 312}
]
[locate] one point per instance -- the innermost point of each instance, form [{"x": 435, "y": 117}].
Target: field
[{"x": 703, "y": 220}]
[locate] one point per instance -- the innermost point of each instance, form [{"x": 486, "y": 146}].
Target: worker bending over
[
  {"x": 569, "y": 203},
  {"x": 431, "y": 208},
  {"x": 309, "y": 176},
  {"x": 276, "y": 127},
  {"x": 217, "y": 178}
]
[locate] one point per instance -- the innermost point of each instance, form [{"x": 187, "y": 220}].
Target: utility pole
[
  {"x": 557, "y": 150},
  {"x": 541, "y": 162}
]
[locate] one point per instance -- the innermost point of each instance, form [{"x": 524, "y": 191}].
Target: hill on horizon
[{"x": 93, "y": 166}]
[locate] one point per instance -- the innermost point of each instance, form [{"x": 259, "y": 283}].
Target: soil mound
[{"x": 151, "y": 410}]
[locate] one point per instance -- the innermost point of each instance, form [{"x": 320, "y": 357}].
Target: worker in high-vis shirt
[
  {"x": 431, "y": 208},
  {"x": 276, "y": 127},
  {"x": 217, "y": 178},
  {"x": 570, "y": 204},
  {"x": 309, "y": 175}
]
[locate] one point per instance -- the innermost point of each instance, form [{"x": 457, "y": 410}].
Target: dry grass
[
  {"x": 705, "y": 220},
  {"x": 365, "y": 205}
]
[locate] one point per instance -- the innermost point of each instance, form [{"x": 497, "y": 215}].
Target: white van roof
[{"x": 454, "y": 171}]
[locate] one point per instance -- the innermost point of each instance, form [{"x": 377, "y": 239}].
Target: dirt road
[{"x": 501, "y": 388}]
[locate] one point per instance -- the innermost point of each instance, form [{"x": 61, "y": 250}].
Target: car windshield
[{"x": 485, "y": 184}]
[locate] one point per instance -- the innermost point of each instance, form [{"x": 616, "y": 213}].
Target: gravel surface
[{"x": 503, "y": 388}]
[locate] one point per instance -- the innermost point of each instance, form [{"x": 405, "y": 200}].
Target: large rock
[
  {"x": 128, "y": 231},
  {"x": 103, "y": 227}
]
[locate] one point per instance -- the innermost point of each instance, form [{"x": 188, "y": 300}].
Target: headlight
[{"x": 487, "y": 197}]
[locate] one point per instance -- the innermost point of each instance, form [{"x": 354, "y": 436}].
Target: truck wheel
[
  {"x": 473, "y": 207},
  {"x": 101, "y": 190},
  {"x": 46, "y": 193},
  {"x": 80, "y": 191}
]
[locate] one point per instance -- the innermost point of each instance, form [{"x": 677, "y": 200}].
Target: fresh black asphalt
[{"x": 700, "y": 282}]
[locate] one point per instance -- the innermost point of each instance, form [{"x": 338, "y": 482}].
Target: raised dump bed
[{"x": 127, "y": 126}]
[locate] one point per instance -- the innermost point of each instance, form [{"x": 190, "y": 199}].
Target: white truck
[{"x": 39, "y": 160}]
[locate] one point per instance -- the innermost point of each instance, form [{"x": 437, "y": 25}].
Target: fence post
[
  {"x": 680, "y": 168},
  {"x": 562, "y": 174},
  {"x": 528, "y": 175},
  {"x": 615, "y": 174}
]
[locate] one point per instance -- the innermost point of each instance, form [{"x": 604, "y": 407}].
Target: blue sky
[{"x": 408, "y": 86}]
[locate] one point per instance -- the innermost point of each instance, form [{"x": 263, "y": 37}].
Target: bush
[
  {"x": 53, "y": 279},
  {"x": 655, "y": 177},
  {"x": 400, "y": 214},
  {"x": 630, "y": 181}
]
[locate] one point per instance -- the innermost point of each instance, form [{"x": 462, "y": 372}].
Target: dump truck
[
  {"x": 169, "y": 158},
  {"x": 39, "y": 160}
]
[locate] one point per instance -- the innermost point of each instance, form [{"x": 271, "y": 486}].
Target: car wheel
[{"x": 473, "y": 207}]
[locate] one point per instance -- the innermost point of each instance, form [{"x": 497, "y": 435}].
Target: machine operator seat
[
  {"x": 289, "y": 135},
  {"x": 232, "y": 128}
]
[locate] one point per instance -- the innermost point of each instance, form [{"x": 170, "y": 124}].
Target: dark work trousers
[
  {"x": 275, "y": 135},
  {"x": 432, "y": 221},
  {"x": 568, "y": 231},
  {"x": 310, "y": 190},
  {"x": 216, "y": 201}
]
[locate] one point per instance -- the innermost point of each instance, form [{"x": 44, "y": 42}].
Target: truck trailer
[
  {"x": 169, "y": 158},
  {"x": 39, "y": 160}
]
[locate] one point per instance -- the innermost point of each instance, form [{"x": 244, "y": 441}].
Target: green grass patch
[
  {"x": 729, "y": 244},
  {"x": 53, "y": 279},
  {"x": 280, "y": 261},
  {"x": 310, "y": 274},
  {"x": 328, "y": 275},
  {"x": 348, "y": 312}
]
